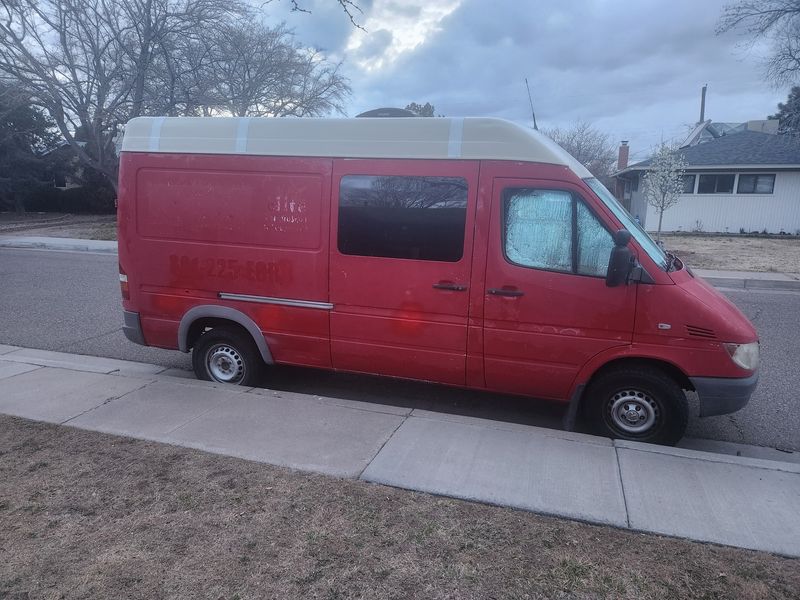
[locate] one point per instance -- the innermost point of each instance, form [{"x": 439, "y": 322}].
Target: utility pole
[{"x": 530, "y": 99}]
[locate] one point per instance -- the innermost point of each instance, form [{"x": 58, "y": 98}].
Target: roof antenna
[{"x": 533, "y": 114}]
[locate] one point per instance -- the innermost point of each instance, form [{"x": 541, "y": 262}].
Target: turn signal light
[{"x": 123, "y": 284}]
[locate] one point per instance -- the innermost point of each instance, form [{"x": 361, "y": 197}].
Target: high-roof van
[{"x": 471, "y": 252}]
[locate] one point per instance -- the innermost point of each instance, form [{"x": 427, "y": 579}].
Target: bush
[
  {"x": 86, "y": 199},
  {"x": 92, "y": 199},
  {"x": 44, "y": 199}
]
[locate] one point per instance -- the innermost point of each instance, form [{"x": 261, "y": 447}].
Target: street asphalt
[{"x": 69, "y": 302}]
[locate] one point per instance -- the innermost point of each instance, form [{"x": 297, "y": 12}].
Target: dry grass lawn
[
  {"x": 779, "y": 254},
  {"x": 86, "y": 227},
  {"x": 87, "y": 515}
]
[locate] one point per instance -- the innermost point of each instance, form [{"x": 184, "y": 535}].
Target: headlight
[{"x": 744, "y": 355}]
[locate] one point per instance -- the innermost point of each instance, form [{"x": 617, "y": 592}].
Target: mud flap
[{"x": 571, "y": 415}]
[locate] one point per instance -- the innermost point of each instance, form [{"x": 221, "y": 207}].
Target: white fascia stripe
[
  {"x": 242, "y": 130},
  {"x": 456, "y": 135},
  {"x": 155, "y": 134}
]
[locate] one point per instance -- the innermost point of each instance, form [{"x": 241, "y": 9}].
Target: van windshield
[{"x": 637, "y": 231}]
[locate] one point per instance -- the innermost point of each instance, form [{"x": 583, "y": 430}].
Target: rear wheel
[
  {"x": 639, "y": 404},
  {"x": 226, "y": 356}
]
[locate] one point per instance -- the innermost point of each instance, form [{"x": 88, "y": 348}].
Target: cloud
[
  {"x": 373, "y": 46},
  {"x": 410, "y": 24},
  {"x": 634, "y": 69}
]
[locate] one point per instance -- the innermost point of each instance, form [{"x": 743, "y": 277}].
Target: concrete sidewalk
[
  {"x": 745, "y": 502},
  {"x": 729, "y": 279}
]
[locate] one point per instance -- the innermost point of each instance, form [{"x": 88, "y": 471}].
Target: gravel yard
[{"x": 778, "y": 254}]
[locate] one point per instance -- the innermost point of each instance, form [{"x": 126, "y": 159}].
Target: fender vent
[{"x": 701, "y": 332}]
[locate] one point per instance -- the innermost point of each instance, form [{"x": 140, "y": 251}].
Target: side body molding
[{"x": 222, "y": 312}]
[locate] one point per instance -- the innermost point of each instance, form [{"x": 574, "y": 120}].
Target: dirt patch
[
  {"x": 86, "y": 227},
  {"x": 87, "y": 515},
  {"x": 777, "y": 254}
]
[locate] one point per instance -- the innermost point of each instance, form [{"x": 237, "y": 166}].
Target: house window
[
  {"x": 417, "y": 218},
  {"x": 756, "y": 184},
  {"x": 688, "y": 184},
  {"x": 716, "y": 184}
]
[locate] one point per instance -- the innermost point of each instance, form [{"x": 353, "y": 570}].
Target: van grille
[{"x": 701, "y": 332}]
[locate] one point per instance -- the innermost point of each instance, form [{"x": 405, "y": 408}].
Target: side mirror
[
  {"x": 621, "y": 260},
  {"x": 622, "y": 237}
]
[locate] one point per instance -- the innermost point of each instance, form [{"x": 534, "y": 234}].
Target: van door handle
[
  {"x": 449, "y": 285},
  {"x": 510, "y": 292}
]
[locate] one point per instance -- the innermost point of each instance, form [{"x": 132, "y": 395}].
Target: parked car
[{"x": 471, "y": 252}]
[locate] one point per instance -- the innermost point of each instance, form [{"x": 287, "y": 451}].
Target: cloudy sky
[{"x": 633, "y": 69}]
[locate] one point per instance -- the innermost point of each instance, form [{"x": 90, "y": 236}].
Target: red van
[{"x": 471, "y": 252}]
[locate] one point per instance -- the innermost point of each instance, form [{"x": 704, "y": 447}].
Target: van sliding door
[{"x": 401, "y": 254}]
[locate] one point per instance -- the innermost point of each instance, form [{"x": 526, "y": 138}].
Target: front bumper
[
  {"x": 723, "y": 395},
  {"x": 132, "y": 327}
]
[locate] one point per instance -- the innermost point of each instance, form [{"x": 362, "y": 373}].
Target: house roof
[
  {"x": 745, "y": 149},
  {"x": 404, "y": 137}
]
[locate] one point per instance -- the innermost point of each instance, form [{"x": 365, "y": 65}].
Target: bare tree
[
  {"x": 95, "y": 64},
  {"x": 263, "y": 71},
  {"x": 589, "y": 146},
  {"x": 88, "y": 62},
  {"x": 776, "y": 20},
  {"x": 663, "y": 182},
  {"x": 348, "y": 6}
]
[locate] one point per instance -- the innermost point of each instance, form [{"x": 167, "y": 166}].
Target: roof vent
[
  {"x": 701, "y": 332},
  {"x": 388, "y": 112}
]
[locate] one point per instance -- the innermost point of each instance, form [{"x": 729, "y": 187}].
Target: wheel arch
[
  {"x": 198, "y": 318},
  {"x": 626, "y": 355},
  {"x": 666, "y": 367}
]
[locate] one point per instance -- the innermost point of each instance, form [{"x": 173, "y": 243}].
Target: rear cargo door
[{"x": 401, "y": 254}]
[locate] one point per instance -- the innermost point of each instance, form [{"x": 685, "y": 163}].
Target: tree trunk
[{"x": 660, "y": 218}]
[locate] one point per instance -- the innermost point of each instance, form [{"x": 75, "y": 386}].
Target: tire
[
  {"x": 227, "y": 356},
  {"x": 639, "y": 404}
]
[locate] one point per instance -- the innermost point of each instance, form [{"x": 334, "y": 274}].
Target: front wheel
[
  {"x": 639, "y": 404},
  {"x": 226, "y": 356}
]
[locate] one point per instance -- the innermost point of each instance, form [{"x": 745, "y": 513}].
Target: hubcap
[
  {"x": 225, "y": 364},
  {"x": 633, "y": 411}
]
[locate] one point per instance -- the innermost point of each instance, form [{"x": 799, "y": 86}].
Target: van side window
[
  {"x": 418, "y": 218},
  {"x": 555, "y": 231},
  {"x": 595, "y": 243}
]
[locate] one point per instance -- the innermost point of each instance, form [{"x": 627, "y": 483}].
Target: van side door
[
  {"x": 547, "y": 308},
  {"x": 401, "y": 254}
]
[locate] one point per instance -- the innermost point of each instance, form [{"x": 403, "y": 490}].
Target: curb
[
  {"x": 752, "y": 284},
  {"x": 108, "y": 247}
]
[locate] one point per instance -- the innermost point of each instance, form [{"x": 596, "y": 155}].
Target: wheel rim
[
  {"x": 225, "y": 364},
  {"x": 633, "y": 411}
]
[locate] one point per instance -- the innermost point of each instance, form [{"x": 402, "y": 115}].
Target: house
[
  {"x": 740, "y": 177},
  {"x": 67, "y": 170}
]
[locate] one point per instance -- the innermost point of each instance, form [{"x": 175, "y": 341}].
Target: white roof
[{"x": 404, "y": 137}]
